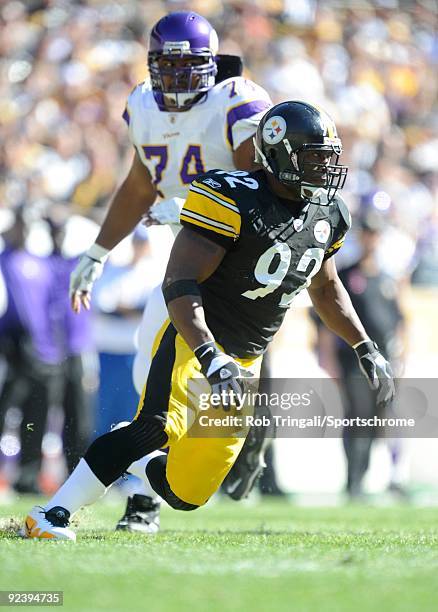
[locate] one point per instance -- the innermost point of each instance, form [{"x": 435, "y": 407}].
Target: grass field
[{"x": 270, "y": 556}]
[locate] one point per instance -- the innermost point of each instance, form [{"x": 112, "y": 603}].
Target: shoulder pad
[
  {"x": 135, "y": 102},
  {"x": 242, "y": 102},
  {"x": 228, "y": 184},
  {"x": 238, "y": 89},
  {"x": 211, "y": 206},
  {"x": 343, "y": 209},
  {"x": 136, "y": 92},
  {"x": 141, "y": 92},
  {"x": 214, "y": 181}
]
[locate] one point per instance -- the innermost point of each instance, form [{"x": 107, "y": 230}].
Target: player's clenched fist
[
  {"x": 85, "y": 274},
  {"x": 221, "y": 371}
]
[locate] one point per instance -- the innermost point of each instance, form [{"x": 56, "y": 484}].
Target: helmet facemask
[
  {"x": 301, "y": 168},
  {"x": 182, "y": 85}
]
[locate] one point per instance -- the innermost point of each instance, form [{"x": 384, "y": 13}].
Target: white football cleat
[{"x": 48, "y": 524}]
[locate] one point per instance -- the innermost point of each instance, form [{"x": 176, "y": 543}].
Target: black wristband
[
  {"x": 180, "y": 288},
  {"x": 366, "y": 347},
  {"x": 206, "y": 353}
]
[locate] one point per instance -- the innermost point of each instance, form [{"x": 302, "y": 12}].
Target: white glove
[
  {"x": 166, "y": 211},
  {"x": 87, "y": 271}
]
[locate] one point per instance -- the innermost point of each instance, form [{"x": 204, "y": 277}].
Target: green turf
[{"x": 271, "y": 556}]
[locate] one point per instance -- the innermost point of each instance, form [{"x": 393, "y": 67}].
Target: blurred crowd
[{"x": 67, "y": 67}]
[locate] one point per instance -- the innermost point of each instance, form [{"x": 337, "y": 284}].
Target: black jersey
[{"x": 273, "y": 250}]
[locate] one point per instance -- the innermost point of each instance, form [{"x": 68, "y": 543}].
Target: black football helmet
[{"x": 299, "y": 145}]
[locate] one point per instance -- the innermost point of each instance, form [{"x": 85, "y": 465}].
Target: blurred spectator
[
  {"x": 68, "y": 67},
  {"x": 295, "y": 75},
  {"x": 74, "y": 336},
  {"x": 29, "y": 346},
  {"x": 267, "y": 483},
  {"x": 375, "y": 298},
  {"x": 120, "y": 296}
]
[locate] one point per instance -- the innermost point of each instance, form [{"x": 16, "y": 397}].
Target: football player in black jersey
[{"x": 250, "y": 242}]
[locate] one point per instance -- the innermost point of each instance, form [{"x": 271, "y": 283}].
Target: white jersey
[{"x": 176, "y": 147}]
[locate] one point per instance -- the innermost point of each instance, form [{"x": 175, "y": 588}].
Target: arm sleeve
[
  {"x": 247, "y": 103},
  {"x": 211, "y": 213}
]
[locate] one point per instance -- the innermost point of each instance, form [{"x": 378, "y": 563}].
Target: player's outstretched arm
[
  {"x": 333, "y": 305},
  {"x": 192, "y": 260},
  {"x": 131, "y": 200}
]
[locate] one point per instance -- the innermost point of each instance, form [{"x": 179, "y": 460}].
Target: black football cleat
[
  {"x": 250, "y": 463},
  {"x": 142, "y": 515}
]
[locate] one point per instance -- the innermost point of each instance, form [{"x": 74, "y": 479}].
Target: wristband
[
  {"x": 366, "y": 345},
  {"x": 98, "y": 253},
  {"x": 354, "y": 346},
  {"x": 205, "y": 353}
]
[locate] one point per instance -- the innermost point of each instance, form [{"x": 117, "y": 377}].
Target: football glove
[
  {"x": 88, "y": 270},
  {"x": 377, "y": 371},
  {"x": 221, "y": 371},
  {"x": 166, "y": 212}
]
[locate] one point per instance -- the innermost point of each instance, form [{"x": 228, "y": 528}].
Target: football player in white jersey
[{"x": 186, "y": 121}]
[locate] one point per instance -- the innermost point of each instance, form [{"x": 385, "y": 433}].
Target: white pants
[{"x": 154, "y": 316}]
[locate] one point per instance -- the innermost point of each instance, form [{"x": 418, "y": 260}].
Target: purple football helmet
[{"x": 182, "y": 35}]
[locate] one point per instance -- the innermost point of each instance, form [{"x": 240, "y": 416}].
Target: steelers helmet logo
[{"x": 274, "y": 130}]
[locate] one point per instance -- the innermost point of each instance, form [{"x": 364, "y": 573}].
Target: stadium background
[{"x": 67, "y": 68}]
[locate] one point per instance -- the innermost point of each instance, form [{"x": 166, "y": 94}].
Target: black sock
[{"x": 110, "y": 455}]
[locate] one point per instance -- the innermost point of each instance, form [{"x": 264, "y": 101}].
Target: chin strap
[
  {"x": 188, "y": 100},
  {"x": 314, "y": 194},
  {"x": 260, "y": 157}
]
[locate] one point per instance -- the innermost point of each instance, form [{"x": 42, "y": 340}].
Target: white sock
[
  {"x": 138, "y": 468},
  {"x": 81, "y": 488}
]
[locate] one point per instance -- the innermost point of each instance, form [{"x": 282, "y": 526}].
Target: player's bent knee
[
  {"x": 178, "y": 504},
  {"x": 156, "y": 473}
]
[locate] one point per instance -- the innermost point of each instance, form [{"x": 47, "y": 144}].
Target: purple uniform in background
[
  {"x": 72, "y": 332},
  {"x": 28, "y": 283}
]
